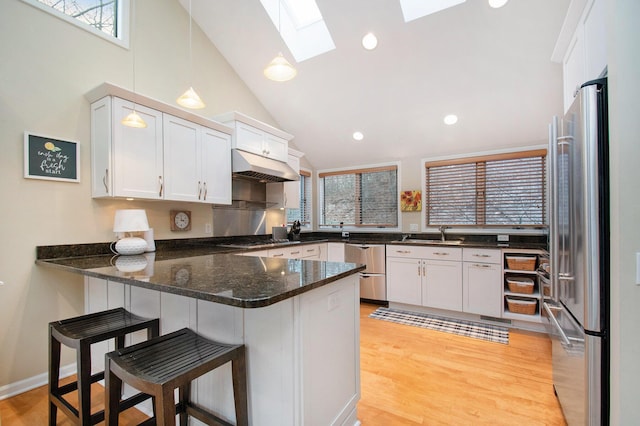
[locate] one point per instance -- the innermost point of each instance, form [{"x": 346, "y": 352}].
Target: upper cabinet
[
  {"x": 257, "y": 137},
  {"x": 582, "y": 45},
  {"x": 179, "y": 156}
]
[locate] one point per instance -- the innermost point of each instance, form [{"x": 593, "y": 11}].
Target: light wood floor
[{"x": 412, "y": 376}]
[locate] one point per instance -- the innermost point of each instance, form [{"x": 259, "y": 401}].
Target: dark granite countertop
[{"x": 211, "y": 273}]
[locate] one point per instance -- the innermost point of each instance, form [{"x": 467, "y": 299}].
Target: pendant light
[
  {"x": 133, "y": 119},
  {"x": 190, "y": 99},
  {"x": 279, "y": 69}
]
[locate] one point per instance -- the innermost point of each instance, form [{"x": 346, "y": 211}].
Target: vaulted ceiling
[{"x": 490, "y": 67}]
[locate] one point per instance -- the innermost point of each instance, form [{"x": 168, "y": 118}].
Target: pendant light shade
[
  {"x": 279, "y": 69},
  {"x": 190, "y": 99},
  {"x": 134, "y": 120}
]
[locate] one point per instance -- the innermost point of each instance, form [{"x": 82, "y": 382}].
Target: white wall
[
  {"x": 46, "y": 67},
  {"x": 624, "y": 103}
]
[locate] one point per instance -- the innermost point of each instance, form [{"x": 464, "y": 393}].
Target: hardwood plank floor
[
  {"x": 415, "y": 376},
  {"x": 411, "y": 376}
]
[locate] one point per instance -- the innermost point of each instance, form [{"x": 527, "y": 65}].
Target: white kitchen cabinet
[
  {"x": 286, "y": 194},
  {"x": 125, "y": 162},
  {"x": 257, "y": 137},
  {"x": 335, "y": 252},
  {"x": 426, "y": 275},
  {"x": 482, "y": 282},
  {"x": 404, "y": 280},
  {"x": 582, "y": 47},
  {"x": 171, "y": 159},
  {"x": 197, "y": 164}
]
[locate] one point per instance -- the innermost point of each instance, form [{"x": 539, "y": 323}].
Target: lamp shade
[
  {"x": 190, "y": 99},
  {"x": 130, "y": 220},
  {"x": 279, "y": 69}
]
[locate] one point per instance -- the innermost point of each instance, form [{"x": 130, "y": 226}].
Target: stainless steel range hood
[{"x": 252, "y": 166}]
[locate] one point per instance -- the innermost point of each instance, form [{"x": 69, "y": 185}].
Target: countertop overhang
[{"x": 210, "y": 274}]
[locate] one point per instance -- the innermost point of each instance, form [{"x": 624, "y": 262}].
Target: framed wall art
[
  {"x": 411, "y": 201},
  {"x": 50, "y": 158}
]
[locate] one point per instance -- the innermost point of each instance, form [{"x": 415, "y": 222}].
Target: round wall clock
[{"x": 180, "y": 220}]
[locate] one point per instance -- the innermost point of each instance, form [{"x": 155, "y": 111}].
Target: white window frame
[
  {"x": 328, "y": 228},
  {"x": 478, "y": 230},
  {"x": 123, "y": 21},
  {"x": 308, "y": 227}
]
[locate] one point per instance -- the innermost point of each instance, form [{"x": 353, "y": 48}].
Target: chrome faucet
[{"x": 442, "y": 236}]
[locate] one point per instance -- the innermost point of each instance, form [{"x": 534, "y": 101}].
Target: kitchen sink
[{"x": 430, "y": 242}]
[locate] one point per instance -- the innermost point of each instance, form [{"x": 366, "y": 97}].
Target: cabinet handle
[
  {"x": 199, "y": 189},
  {"x": 278, "y": 255},
  {"x": 424, "y": 269},
  {"x": 295, "y": 252},
  {"x": 105, "y": 178},
  {"x": 161, "y": 186},
  {"x": 403, "y": 251},
  {"x": 441, "y": 253},
  {"x": 481, "y": 255},
  {"x": 205, "y": 191},
  {"x": 419, "y": 269},
  {"x": 481, "y": 265}
]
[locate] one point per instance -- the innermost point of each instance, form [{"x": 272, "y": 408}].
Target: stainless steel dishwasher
[{"x": 373, "y": 280}]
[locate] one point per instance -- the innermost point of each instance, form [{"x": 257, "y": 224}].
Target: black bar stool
[
  {"x": 160, "y": 365},
  {"x": 79, "y": 333}
]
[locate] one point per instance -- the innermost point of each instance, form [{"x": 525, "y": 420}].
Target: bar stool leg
[
  {"x": 184, "y": 396},
  {"x": 113, "y": 392},
  {"x": 54, "y": 376},
  {"x": 84, "y": 383},
  {"x": 239, "y": 375},
  {"x": 165, "y": 407}
]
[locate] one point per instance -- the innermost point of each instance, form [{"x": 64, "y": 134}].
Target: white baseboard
[{"x": 16, "y": 388}]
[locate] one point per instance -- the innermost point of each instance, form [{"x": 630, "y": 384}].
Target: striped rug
[{"x": 491, "y": 333}]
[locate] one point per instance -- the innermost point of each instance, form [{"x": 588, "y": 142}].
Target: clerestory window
[{"x": 105, "y": 18}]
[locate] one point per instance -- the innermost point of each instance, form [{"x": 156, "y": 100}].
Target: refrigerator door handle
[
  {"x": 556, "y": 325},
  {"x": 553, "y": 208}
]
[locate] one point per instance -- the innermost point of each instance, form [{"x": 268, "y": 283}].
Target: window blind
[
  {"x": 365, "y": 197},
  {"x": 497, "y": 190},
  {"x": 303, "y": 213}
]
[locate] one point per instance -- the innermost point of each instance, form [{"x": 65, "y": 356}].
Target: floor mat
[{"x": 491, "y": 333}]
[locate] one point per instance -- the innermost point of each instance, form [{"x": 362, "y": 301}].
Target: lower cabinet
[
  {"x": 482, "y": 282},
  {"x": 427, "y": 276}
]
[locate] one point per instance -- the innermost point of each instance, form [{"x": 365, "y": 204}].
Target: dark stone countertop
[{"x": 211, "y": 273}]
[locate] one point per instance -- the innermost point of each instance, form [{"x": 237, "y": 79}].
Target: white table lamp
[{"x": 130, "y": 220}]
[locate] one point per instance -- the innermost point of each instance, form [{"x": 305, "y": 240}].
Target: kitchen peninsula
[{"x": 299, "y": 320}]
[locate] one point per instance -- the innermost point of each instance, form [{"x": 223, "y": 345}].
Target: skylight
[
  {"x": 301, "y": 26},
  {"x": 414, "y": 9}
]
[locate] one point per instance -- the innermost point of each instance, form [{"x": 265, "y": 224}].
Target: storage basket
[
  {"x": 522, "y": 285},
  {"x": 521, "y": 263},
  {"x": 521, "y": 306}
]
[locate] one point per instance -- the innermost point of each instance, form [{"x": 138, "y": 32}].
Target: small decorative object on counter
[
  {"x": 295, "y": 231},
  {"x": 125, "y": 223}
]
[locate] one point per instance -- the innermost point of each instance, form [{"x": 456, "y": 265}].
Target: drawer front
[
  {"x": 443, "y": 253},
  {"x": 310, "y": 251},
  {"x": 482, "y": 255},
  {"x": 406, "y": 251}
]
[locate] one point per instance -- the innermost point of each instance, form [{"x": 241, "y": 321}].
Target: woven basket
[
  {"x": 520, "y": 285},
  {"x": 519, "y": 306},
  {"x": 521, "y": 263}
]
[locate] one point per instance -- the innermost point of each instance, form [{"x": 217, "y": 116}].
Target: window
[
  {"x": 493, "y": 190},
  {"x": 101, "y": 17},
  {"x": 303, "y": 214},
  {"x": 364, "y": 197},
  {"x": 301, "y": 26}
]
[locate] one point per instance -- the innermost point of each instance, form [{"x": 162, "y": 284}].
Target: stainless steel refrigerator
[{"x": 578, "y": 310}]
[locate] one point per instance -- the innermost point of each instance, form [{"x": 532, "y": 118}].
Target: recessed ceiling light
[
  {"x": 358, "y": 136},
  {"x": 451, "y": 119},
  {"x": 497, "y": 3},
  {"x": 369, "y": 41}
]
